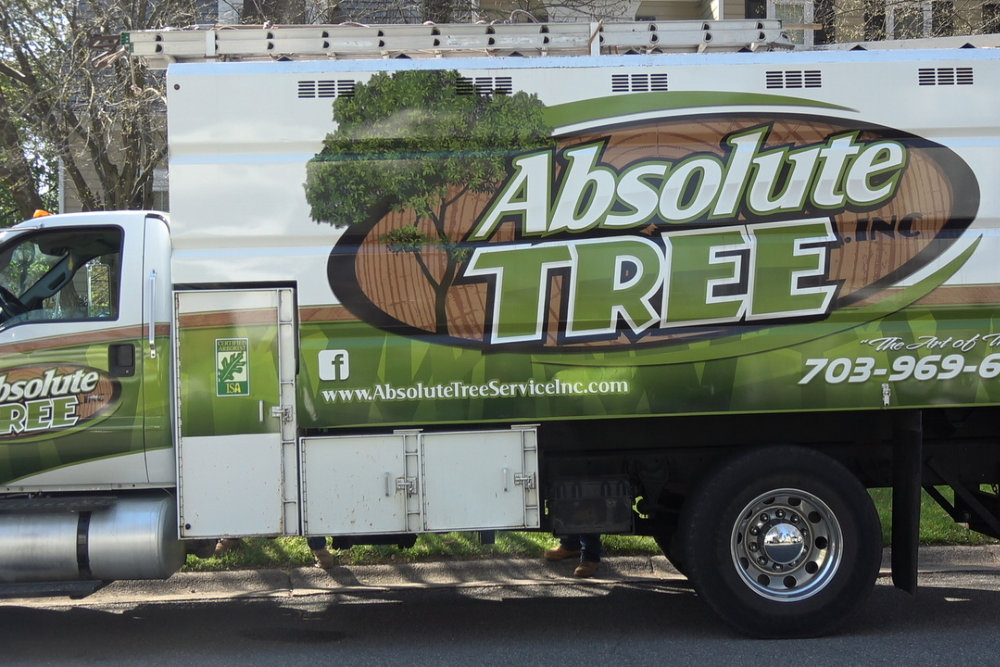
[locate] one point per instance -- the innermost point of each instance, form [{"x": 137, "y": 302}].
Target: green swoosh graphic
[{"x": 560, "y": 115}]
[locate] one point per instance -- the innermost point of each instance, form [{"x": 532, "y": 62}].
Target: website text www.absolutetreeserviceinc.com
[{"x": 488, "y": 389}]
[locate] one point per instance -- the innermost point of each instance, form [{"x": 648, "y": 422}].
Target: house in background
[
  {"x": 816, "y": 22},
  {"x": 813, "y": 22}
]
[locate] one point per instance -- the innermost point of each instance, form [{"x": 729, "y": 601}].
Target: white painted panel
[
  {"x": 349, "y": 485},
  {"x": 230, "y": 485},
  {"x": 469, "y": 480}
]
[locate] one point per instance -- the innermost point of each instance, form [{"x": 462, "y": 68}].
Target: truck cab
[
  {"x": 85, "y": 446},
  {"x": 84, "y": 385}
]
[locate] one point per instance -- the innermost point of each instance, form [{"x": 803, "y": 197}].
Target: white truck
[{"x": 574, "y": 278}]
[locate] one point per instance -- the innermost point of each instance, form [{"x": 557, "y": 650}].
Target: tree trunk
[{"x": 15, "y": 170}]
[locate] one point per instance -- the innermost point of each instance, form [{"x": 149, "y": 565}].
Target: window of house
[
  {"x": 942, "y": 18},
  {"x": 808, "y": 22},
  {"x": 794, "y": 15},
  {"x": 161, "y": 200},
  {"x": 824, "y": 15},
  {"x": 923, "y": 18},
  {"x": 907, "y": 20},
  {"x": 875, "y": 20},
  {"x": 161, "y": 197},
  {"x": 991, "y": 17},
  {"x": 812, "y": 22},
  {"x": 756, "y": 9}
]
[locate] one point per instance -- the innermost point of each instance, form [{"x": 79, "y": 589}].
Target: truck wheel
[
  {"x": 782, "y": 542},
  {"x": 670, "y": 544}
]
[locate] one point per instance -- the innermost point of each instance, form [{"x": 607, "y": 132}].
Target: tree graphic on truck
[{"x": 414, "y": 142}]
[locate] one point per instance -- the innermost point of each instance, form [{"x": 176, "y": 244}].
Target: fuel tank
[{"x": 132, "y": 537}]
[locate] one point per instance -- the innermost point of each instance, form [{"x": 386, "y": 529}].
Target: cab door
[{"x": 71, "y": 411}]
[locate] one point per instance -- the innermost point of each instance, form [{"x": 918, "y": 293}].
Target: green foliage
[
  {"x": 256, "y": 552},
  {"x": 404, "y": 139},
  {"x": 936, "y": 527},
  {"x": 290, "y": 552},
  {"x": 44, "y": 180},
  {"x": 407, "y": 238}
]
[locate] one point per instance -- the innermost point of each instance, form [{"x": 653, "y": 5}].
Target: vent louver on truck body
[
  {"x": 812, "y": 78},
  {"x": 325, "y": 89},
  {"x": 945, "y": 76},
  {"x": 639, "y": 83},
  {"x": 485, "y": 85}
]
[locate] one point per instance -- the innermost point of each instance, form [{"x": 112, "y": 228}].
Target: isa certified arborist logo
[{"x": 232, "y": 367}]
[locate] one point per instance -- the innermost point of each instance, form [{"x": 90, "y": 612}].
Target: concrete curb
[
  {"x": 207, "y": 586},
  {"x": 953, "y": 559}
]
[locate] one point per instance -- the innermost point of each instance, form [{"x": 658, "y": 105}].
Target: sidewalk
[{"x": 205, "y": 586}]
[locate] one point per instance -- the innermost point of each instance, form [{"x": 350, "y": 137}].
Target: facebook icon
[{"x": 334, "y": 365}]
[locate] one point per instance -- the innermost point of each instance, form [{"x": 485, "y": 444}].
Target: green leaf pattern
[{"x": 231, "y": 365}]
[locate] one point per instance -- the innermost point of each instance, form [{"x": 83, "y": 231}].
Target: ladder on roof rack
[{"x": 311, "y": 42}]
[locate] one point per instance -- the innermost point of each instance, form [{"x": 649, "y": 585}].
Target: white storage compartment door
[
  {"x": 414, "y": 482},
  {"x": 480, "y": 480},
  {"x": 355, "y": 485}
]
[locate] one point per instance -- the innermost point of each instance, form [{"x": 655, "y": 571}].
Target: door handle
[
  {"x": 121, "y": 360},
  {"x": 152, "y": 314}
]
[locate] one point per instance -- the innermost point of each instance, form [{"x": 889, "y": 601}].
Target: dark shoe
[
  {"x": 559, "y": 553},
  {"x": 324, "y": 558},
  {"x": 586, "y": 568}
]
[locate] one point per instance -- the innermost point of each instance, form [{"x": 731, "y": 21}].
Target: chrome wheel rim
[{"x": 787, "y": 545}]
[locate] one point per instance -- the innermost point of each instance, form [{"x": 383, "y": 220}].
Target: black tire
[
  {"x": 670, "y": 544},
  {"x": 782, "y": 542}
]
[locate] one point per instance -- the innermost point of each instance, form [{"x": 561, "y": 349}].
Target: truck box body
[
  {"x": 704, "y": 297},
  {"x": 831, "y": 250}
]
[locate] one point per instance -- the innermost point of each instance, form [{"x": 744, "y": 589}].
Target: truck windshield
[{"x": 60, "y": 274}]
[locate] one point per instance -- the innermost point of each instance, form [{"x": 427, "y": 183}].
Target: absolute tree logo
[
  {"x": 40, "y": 398},
  {"x": 635, "y": 233}
]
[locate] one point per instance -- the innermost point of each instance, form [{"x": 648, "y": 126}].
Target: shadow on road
[{"x": 630, "y": 623}]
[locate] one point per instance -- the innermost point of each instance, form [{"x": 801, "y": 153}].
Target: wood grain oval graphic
[{"x": 420, "y": 292}]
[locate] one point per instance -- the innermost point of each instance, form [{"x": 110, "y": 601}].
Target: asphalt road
[{"x": 628, "y": 617}]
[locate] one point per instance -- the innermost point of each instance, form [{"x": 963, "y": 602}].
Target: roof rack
[{"x": 351, "y": 41}]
